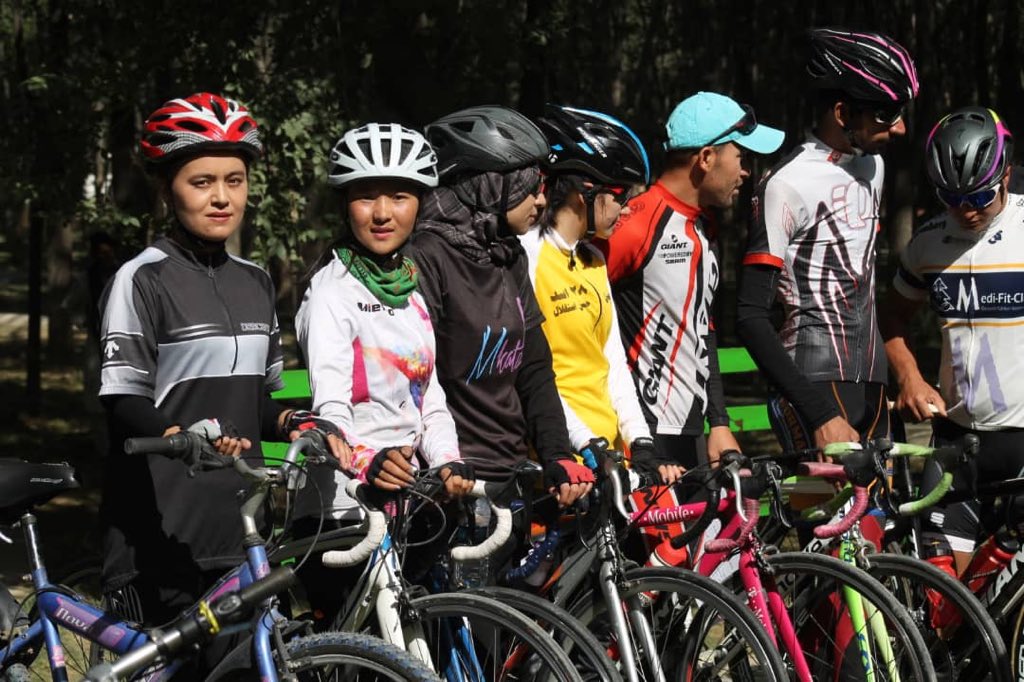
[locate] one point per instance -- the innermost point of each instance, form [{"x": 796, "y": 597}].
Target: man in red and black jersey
[{"x": 664, "y": 270}]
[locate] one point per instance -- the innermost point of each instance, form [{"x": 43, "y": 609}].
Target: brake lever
[
  {"x": 779, "y": 510},
  {"x": 734, "y": 473}
]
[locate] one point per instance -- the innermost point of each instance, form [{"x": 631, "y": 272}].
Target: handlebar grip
[
  {"x": 917, "y": 506},
  {"x": 236, "y": 607},
  {"x": 502, "y": 531},
  {"x": 823, "y": 470},
  {"x": 377, "y": 525},
  {"x": 692, "y": 531},
  {"x": 175, "y": 444},
  {"x": 860, "y": 505},
  {"x": 752, "y": 510}
]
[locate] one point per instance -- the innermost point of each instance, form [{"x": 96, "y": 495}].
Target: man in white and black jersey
[
  {"x": 963, "y": 264},
  {"x": 812, "y": 247}
]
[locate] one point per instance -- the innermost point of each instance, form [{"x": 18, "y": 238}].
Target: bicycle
[
  {"x": 963, "y": 640},
  {"x": 276, "y": 647},
  {"x": 799, "y": 599},
  {"x": 642, "y": 614},
  {"x": 465, "y": 637}
]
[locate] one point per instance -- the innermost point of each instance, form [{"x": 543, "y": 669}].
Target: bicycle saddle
[{"x": 26, "y": 484}]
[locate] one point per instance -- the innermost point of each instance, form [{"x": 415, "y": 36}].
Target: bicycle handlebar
[
  {"x": 376, "y": 526},
  {"x": 194, "y": 628},
  {"x": 502, "y": 527},
  {"x": 936, "y": 494},
  {"x": 752, "y": 512},
  {"x": 860, "y": 506}
]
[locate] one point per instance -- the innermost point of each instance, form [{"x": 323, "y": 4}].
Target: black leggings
[
  {"x": 863, "y": 405},
  {"x": 957, "y": 525}
]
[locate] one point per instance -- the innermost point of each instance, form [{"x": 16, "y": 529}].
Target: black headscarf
[{"x": 470, "y": 214}]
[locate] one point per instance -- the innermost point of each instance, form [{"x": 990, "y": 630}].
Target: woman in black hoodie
[{"x": 492, "y": 357}]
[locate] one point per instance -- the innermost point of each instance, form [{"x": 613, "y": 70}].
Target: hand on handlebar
[
  {"x": 918, "y": 400},
  {"x": 646, "y": 460},
  {"x": 458, "y": 478},
  {"x": 294, "y": 422},
  {"x": 391, "y": 468},
  {"x": 835, "y": 430},
  {"x": 568, "y": 480}
]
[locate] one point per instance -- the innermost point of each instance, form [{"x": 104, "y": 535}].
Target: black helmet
[
  {"x": 866, "y": 66},
  {"x": 487, "y": 138},
  {"x": 595, "y": 145},
  {"x": 968, "y": 150}
]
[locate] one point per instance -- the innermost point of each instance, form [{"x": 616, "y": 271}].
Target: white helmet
[{"x": 382, "y": 150}]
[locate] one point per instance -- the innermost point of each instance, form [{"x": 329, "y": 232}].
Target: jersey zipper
[{"x": 227, "y": 311}]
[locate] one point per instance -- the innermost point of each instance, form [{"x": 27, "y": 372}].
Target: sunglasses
[
  {"x": 620, "y": 193},
  {"x": 887, "y": 115},
  {"x": 538, "y": 186},
  {"x": 744, "y": 126},
  {"x": 978, "y": 200}
]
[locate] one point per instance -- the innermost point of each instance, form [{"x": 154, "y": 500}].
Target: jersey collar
[
  {"x": 677, "y": 205},
  {"x": 834, "y": 155}
]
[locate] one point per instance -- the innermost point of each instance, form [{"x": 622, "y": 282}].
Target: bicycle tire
[
  {"x": 690, "y": 592},
  {"x": 976, "y": 650},
  {"x": 527, "y": 647},
  {"x": 338, "y": 656},
  {"x": 1016, "y": 637},
  {"x": 811, "y": 587},
  {"x": 587, "y": 654}
]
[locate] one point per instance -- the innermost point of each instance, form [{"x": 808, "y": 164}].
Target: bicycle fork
[{"x": 641, "y": 628}]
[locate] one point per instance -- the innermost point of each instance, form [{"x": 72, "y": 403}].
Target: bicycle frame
[{"x": 102, "y": 628}]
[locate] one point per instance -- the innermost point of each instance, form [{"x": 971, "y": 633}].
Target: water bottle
[
  {"x": 989, "y": 559},
  {"x": 476, "y": 572},
  {"x": 667, "y": 555},
  {"x": 942, "y": 614}
]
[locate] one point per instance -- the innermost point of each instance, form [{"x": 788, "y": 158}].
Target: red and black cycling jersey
[{"x": 663, "y": 266}]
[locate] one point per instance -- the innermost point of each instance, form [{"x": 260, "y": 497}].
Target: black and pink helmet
[
  {"x": 196, "y": 124},
  {"x": 869, "y": 67}
]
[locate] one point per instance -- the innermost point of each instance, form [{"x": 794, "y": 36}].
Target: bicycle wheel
[
  {"x": 971, "y": 650},
  {"x": 812, "y": 587},
  {"x": 346, "y": 656},
  {"x": 472, "y": 637},
  {"x": 729, "y": 644},
  {"x": 586, "y": 653}
]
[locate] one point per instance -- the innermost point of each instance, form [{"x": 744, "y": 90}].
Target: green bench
[{"x": 731, "y": 361}]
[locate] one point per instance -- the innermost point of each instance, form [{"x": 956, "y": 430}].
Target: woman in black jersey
[
  {"x": 493, "y": 360},
  {"x": 189, "y": 333}
]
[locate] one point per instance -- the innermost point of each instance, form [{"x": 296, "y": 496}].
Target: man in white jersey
[
  {"x": 812, "y": 247},
  {"x": 965, "y": 264}
]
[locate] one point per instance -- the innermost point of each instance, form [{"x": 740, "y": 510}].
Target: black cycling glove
[
  {"x": 566, "y": 470},
  {"x": 302, "y": 420},
  {"x": 646, "y": 459},
  {"x": 460, "y": 468}
]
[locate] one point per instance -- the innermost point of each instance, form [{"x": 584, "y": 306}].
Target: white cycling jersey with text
[{"x": 974, "y": 281}]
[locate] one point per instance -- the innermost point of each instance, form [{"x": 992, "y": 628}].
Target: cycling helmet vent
[
  {"x": 968, "y": 150},
  {"x": 595, "y": 145},
  {"x": 196, "y": 124},
  {"x": 486, "y": 138},
  {"x": 866, "y": 66},
  {"x": 382, "y": 150}
]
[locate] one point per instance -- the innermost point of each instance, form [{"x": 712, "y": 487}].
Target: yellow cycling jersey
[{"x": 574, "y": 295}]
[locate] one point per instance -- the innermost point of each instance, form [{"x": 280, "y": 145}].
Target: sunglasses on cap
[
  {"x": 744, "y": 126},
  {"x": 977, "y": 200}
]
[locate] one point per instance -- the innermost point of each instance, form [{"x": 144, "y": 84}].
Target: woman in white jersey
[{"x": 368, "y": 340}]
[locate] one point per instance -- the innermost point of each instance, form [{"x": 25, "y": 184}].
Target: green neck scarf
[{"x": 390, "y": 287}]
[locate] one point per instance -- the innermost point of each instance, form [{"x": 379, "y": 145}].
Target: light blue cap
[{"x": 702, "y": 118}]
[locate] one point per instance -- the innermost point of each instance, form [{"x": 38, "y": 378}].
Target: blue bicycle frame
[{"x": 56, "y": 608}]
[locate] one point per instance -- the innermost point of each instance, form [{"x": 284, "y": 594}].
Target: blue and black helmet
[{"x": 593, "y": 144}]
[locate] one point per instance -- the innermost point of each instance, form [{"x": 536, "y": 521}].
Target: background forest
[{"x": 77, "y": 77}]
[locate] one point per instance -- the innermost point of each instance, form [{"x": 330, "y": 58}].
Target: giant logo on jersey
[{"x": 960, "y": 296}]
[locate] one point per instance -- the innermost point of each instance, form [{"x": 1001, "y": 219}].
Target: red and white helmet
[{"x": 198, "y": 123}]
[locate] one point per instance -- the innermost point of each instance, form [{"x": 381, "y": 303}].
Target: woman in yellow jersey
[{"x": 594, "y": 162}]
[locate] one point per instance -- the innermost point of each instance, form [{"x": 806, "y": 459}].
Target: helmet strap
[
  {"x": 590, "y": 198},
  {"x": 503, "y": 227}
]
